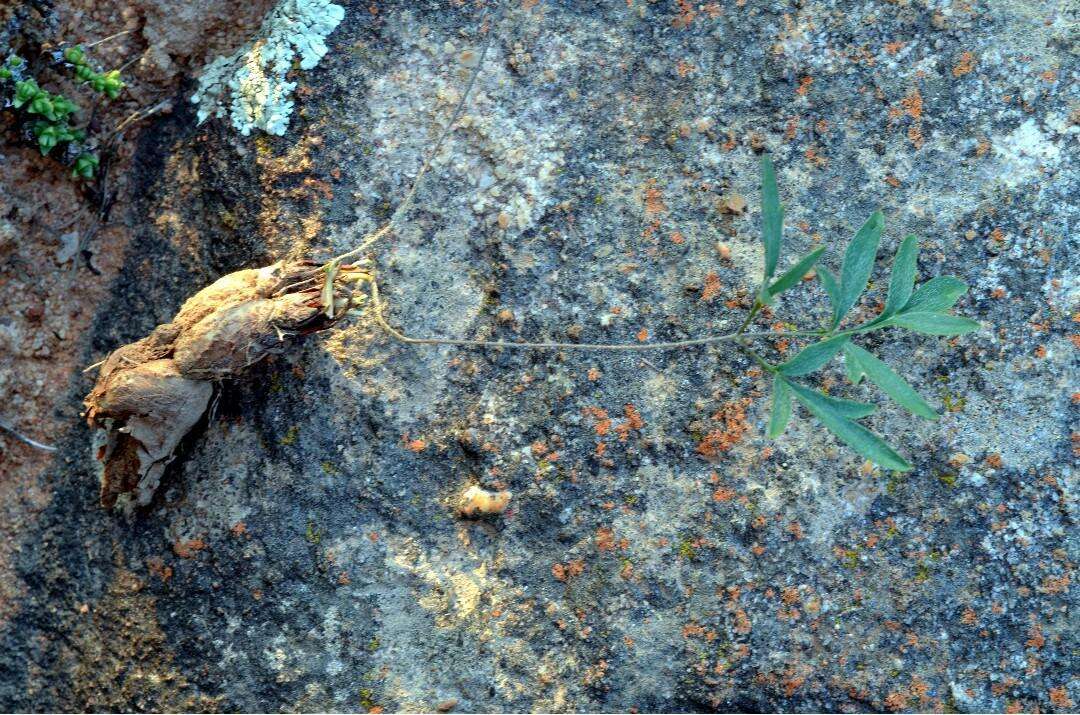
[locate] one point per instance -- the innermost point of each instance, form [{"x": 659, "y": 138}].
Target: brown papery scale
[{"x": 150, "y": 393}]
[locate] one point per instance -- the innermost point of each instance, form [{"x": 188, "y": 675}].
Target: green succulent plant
[{"x": 48, "y": 116}]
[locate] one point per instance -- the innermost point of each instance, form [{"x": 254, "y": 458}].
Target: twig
[
  {"x": 106, "y": 39},
  {"x": 137, "y": 116},
  {"x": 99, "y": 363},
  {"x": 377, "y": 306},
  {"x": 406, "y": 203},
  {"x": 24, "y": 439}
]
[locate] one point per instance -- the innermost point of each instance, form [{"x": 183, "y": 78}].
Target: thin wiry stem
[
  {"x": 106, "y": 39},
  {"x": 406, "y": 203},
  {"x": 139, "y": 115},
  {"x": 377, "y": 308},
  {"x": 24, "y": 439}
]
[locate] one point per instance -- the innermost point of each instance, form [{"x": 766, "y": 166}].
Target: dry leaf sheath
[{"x": 150, "y": 393}]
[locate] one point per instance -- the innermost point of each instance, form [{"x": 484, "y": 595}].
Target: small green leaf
[
  {"x": 813, "y": 357},
  {"x": 74, "y": 55},
  {"x": 772, "y": 216},
  {"x": 890, "y": 383},
  {"x": 832, "y": 289},
  {"x": 858, "y": 263},
  {"x": 850, "y": 408},
  {"x": 934, "y": 323},
  {"x": 795, "y": 274},
  {"x": 781, "y": 407},
  {"x": 902, "y": 280},
  {"x": 860, "y": 439},
  {"x": 936, "y": 295},
  {"x": 852, "y": 367}
]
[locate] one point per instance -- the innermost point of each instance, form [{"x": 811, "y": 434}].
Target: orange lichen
[
  {"x": 723, "y": 494},
  {"x": 158, "y": 567},
  {"x": 569, "y": 570},
  {"x": 603, "y": 422},
  {"x": 685, "y": 16},
  {"x": 913, "y": 104},
  {"x": 1055, "y": 584},
  {"x": 742, "y": 623},
  {"x": 1036, "y": 639},
  {"x": 605, "y": 539},
  {"x": 654, "y": 199},
  {"x": 896, "y": 701},
  {"x": 964, "y": 65},
  {"x": 915, "y": 135},
  {"x": 1059, "y": 698},
  {"x": 633, "y": 422},
  {"x": 732, "y": 416},
  {"x": 188, "y": 549}
]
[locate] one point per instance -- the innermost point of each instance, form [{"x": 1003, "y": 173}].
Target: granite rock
[{"x": 659, "y": 553}]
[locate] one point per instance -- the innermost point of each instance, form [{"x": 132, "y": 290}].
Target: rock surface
[{"x": 659, "y": 553}]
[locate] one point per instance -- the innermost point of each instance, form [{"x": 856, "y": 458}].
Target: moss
[
  {"x": 290, "y": 436},
  {"x": 367, "y": 699},
  {"x": 314, "y": 534},
  {"x": 922, "y": 573},
  {"x": 687, "y": 550},
  {"x": 953, "y": 403},
  {"x": 894, "y": 482},
  {"x": 948, "y": 480}
]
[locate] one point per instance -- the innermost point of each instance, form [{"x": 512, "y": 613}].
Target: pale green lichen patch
[{"x": 250, "y": 85}]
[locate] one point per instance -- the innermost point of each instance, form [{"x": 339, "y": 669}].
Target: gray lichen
[{"x": 250, "y": 84}]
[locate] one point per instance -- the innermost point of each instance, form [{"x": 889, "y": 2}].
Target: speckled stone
[{"x": 659, "y": 553}]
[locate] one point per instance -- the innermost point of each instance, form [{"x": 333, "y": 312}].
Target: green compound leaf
[
  {"x": 936, "y": 295},
  {"x": 794, "y": 274},
  {"x": 858, "y": 263},
  {"x": 933, "y": 323},
  {"x": 772, "y": 216},
  {"x": 860, "y": 439},
  {"x": 902, "y": 280},
  {"x": 890, "y": 383},
  {"x": 813, "y": 357},
  {"x": 781, "y": 407}
]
